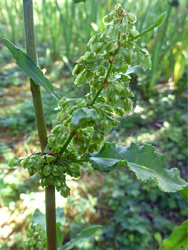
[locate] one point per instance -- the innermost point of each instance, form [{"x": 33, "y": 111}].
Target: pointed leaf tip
[
  {"x": 160, "y": 20},
  {"x": 30, "y": 69}
]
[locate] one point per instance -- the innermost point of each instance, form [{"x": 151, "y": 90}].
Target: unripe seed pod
[
  {"x": 51, "y": 141},
  {"x": 98, "y": 136},
  {"x": 78, "y": 69},
  {"x": 58, "y": 184},
  {"x": 14, "y": 162},
  {"x": 80, "y": 80},
  {"x": 65, "y": 191},
  {"x": 61, "y": 116},
  {"x": 116, "y": 98}
]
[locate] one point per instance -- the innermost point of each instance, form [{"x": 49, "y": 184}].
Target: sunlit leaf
[
  {"x": 30, "y": 69},
  {"x": 84, "y": 234},
  {"x": 144, "y": 161},
  {"x": 178, "y": 238},
  {"x": 39, "y": 219}
]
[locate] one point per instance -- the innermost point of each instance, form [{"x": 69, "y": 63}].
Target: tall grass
[{"x": 64, "y": 29}]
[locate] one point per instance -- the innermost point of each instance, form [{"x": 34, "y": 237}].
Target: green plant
[{"x": 83, "y": 122}]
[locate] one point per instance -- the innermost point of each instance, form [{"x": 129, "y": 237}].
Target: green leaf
[
  {"x": 60, "y": 221},
  {"x": 84, "y": 234},
  {"x": 184, "y": 192},
  {"x": 83, "y": 116},
  {"x": 144, "y": 161},
  {"x": 178, "y": 238},
  {"x": 78, "y": 1},
  {"x": 60, "y": 216},
  {"x": 160, "y": 20},
  {"x": 39, "y": 219},
  {"x": 30, "y": 69},
  {"x": 157, "y": 23}
]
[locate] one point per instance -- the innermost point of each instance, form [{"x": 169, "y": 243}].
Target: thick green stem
[{"x": 41, "y": 125}]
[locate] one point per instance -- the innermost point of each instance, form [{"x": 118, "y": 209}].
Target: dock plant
[{"x": 78, "y": 138}]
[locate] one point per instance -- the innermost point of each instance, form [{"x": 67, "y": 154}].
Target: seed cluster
[
  {"x": 36, "y": 238},
  {"x": 82, "y": 123}
]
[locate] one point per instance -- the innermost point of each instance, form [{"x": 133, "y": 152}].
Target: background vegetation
[{"x": 134, "y": 215}]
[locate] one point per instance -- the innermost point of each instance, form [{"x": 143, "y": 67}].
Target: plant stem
[
  {"x": 67, "y": 143},
  {"x": 41, "y": 125},
  {"x": 96, "y": 96}
]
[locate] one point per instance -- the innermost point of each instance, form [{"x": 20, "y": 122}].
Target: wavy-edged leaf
[
  {"x": 83, "y": 116},
  {"x": 84, "y": 234},
  {"x": 30, "y": 69},
  {"x": 144, "y": 161},
  {"x": 157, "y": 23},
  {"x": 178, "y": 238}
]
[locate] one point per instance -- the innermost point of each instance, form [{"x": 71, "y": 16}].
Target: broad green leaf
[
  {"x": 178, "y": 238},
  {"x": 78, "y": 1},
  {"x": 83, "y": 116},
  {"x": 184, "y": 192},
  {"x": 157, "y": 23},
  {"x": 84, "y": 234},
  {"x": 60, "y": 216},
  {"x": 30, "y": 69},
  {"x": 144, "y": 161},
  {"x": 39, "y": 219}
]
